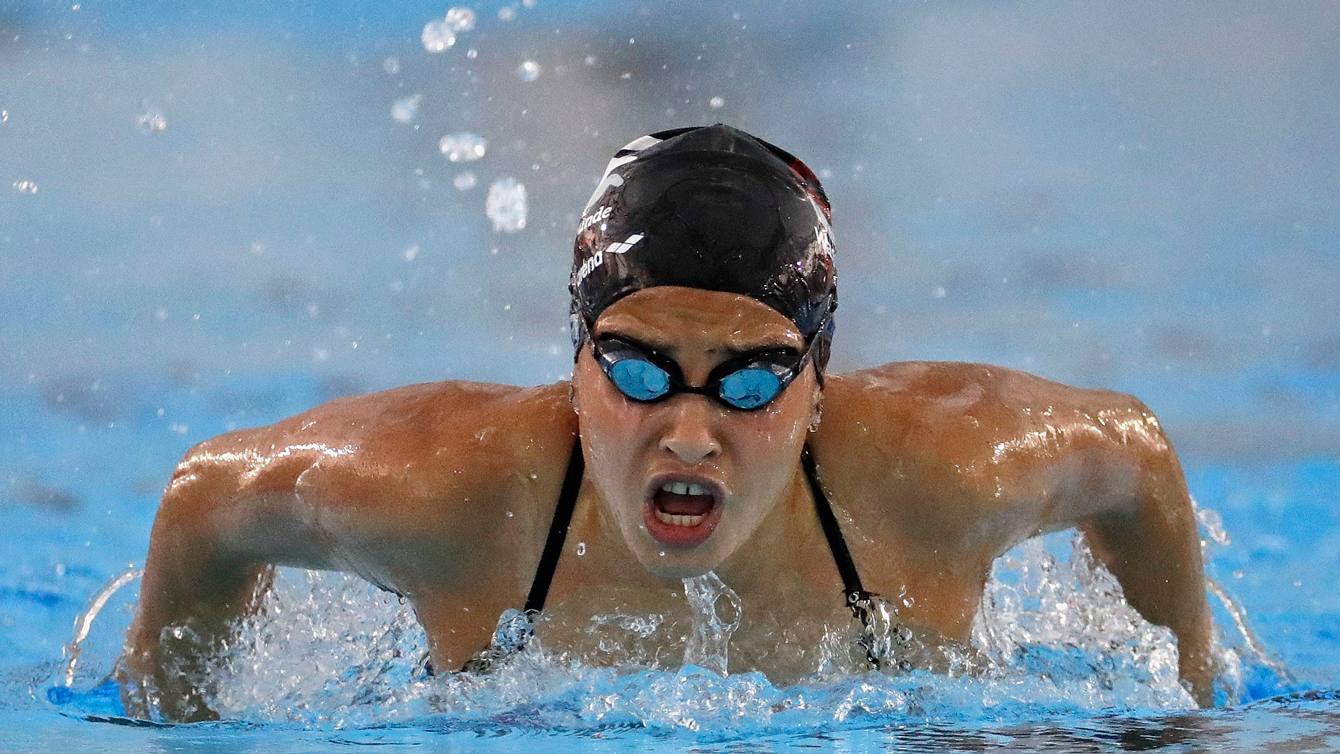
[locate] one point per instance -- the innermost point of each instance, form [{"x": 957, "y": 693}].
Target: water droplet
[
  {"x": 909, "y": 601},
  {"x": 528, "y": 71},
  {"x": 437, "y": 36},
  {"x": 581, "y": 548},
  {"x": 506, "y": 205},
  {"x": 391, "y": 66},
  {"x": 940, "y": 292},
  {"x": 716, "y": 103},
  {"x": 463, "y": 147},
  {"x": 464, "y": 181},
  {"x": 472, "y": 53},
  {"x": 460, "y": 19},
  {"x": 25, "y": 187},
  {"x": 4, "y": 116},
  {"x": 404, "y": 109},
  {"x": 411, "y": 253},
  {"x": 590, "y": 59},
  {"x": 510, "y": 514},
  {"x": 507, "y": 13},
  {"x": 151, "y": 121}
]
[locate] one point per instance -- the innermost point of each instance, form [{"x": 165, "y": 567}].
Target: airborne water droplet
[
  {"x": 581, "y": 548},
  {"x": 404, "y": 109},
  {"x": 460, "y": 19},
  {"x": 151, "y": 121},
  {"x": 464, "y": 181},
  {"x": 528, "y": 71},
  {"x": 463, "y": 147},
  {"x": 437, "y": 36},
  {"x": 506, "y": 205}
]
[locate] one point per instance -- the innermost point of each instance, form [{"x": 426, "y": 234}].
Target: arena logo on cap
[{"x": 619, "y": 247}]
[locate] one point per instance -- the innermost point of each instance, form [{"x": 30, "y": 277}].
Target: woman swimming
[{"x": 699, "y": 432}]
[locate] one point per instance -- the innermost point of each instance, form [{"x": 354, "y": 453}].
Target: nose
[{"x": 690, "y": 435}]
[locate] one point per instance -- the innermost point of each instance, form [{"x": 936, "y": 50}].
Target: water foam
[{"x": 1053, "y": 635}]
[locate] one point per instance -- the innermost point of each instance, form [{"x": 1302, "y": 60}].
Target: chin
[{"x": 677, "y": 564}]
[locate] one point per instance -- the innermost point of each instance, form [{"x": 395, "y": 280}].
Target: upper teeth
[{"x": 683, "y": 488}]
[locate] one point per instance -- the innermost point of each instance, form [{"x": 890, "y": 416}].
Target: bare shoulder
[
  {"x": 394, "y": 433},
  {"x": 948, "y": 444},
  {"x": 430, "y": 463}
]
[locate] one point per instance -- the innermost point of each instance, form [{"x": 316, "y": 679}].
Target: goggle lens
[
  {"x": 749, "y": 388},
  {"x": 638, "y": 379}
]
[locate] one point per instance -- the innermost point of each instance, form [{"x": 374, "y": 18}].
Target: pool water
[{"x": 219, "y": 215}]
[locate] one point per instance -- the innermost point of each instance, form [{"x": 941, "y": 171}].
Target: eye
[
  {"x": 750, "y": 388},
  {"x": 638, "y": 379}
]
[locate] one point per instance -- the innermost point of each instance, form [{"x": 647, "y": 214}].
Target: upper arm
[
  {"x": 974, "y": 458},
  {"x": 393, "y": 486}
]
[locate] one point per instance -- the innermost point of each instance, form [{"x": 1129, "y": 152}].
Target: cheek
[
  {"x": 612, "y": 430},
  {"x": 767, "y": 443}
]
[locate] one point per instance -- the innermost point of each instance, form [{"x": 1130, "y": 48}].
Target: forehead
[{"x": 680, "y": 319}]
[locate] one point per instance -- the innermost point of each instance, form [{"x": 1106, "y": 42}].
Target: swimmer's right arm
[{"x": 400, "y": 487}]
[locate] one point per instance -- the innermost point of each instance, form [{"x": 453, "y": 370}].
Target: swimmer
[{"x": 699, "y": 433}]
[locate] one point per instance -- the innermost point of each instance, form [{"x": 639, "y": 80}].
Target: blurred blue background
[{"x": 210, "y": 219}]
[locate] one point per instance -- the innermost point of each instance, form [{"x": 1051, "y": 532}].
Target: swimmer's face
[{"x": 687, "y": 480}]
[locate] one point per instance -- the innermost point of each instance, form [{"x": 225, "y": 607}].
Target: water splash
[
  {"x": 506, "y": 205},
  {"x": 1053, "y": 636},
  {"x": 713, "y": 623},
  {"x": 83, "y": 624}
]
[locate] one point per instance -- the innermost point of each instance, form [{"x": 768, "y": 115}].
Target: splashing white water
[
  {"x": 716, "y": 614},
  {"x": 1053, "y": 635}
]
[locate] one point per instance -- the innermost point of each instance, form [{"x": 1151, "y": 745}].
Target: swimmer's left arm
[{"x": 1130, "y": 499}]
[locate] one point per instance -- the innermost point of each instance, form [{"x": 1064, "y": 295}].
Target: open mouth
[{"x": 682, "y": 512}]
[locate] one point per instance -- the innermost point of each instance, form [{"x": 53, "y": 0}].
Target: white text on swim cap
[
  {"x": 598, "y": 258},
  {"x": 601, "y": 214}
]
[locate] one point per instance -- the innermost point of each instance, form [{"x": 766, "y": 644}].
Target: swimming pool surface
[{"x": 220, "y": 215}]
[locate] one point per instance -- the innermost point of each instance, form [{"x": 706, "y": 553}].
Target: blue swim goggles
[{"x": 746, "y": 383}]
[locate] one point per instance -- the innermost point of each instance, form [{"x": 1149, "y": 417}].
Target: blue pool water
[{"x": 217, "y": 215}]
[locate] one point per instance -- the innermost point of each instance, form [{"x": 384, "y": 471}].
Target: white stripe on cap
[{"x": 607, "y": 180}]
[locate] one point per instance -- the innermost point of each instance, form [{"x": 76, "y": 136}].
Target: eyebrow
[{"x": 734, "y": 352}]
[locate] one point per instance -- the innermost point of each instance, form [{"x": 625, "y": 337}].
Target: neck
[{"x": 787, "y": 555}]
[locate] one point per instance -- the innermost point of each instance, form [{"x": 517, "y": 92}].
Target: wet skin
[{"x": 444, "y": 492}]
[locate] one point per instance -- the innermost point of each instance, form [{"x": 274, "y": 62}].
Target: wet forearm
[{"x": 1152, "y": 545}]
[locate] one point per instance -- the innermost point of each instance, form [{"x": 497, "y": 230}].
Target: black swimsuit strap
[
  {"x": 857, "y": 597},
  {"x": 558, "y": 531}
]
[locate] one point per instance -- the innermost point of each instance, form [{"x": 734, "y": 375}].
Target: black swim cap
[{"x": 712, "y": 208}]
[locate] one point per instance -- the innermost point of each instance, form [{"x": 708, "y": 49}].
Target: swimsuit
[{"x": 515, "y": 627}]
